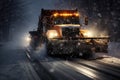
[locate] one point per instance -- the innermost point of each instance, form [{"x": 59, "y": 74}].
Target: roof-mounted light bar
[{"x": 65, "y": 14}]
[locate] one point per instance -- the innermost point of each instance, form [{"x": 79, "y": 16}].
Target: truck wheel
[
  {"x": 87, "y": 53},
  {"x": 49, "y": 50}
]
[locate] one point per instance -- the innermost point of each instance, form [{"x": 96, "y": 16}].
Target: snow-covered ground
[
  {"x": 14, "y": 64},
  {"x": 114, "y": 49}
]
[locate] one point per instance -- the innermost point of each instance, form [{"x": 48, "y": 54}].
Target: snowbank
[{"x": 114, "y": 49}]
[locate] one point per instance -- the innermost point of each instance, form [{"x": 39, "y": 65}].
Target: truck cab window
[{"x": 66, "y": 20}]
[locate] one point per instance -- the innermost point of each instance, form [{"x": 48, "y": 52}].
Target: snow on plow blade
[
  {"x": 86, "y": 47},
  {"x": 75, "y": 38}
]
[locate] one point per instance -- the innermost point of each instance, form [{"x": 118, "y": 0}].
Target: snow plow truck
[{"x": 61, "y": 31}]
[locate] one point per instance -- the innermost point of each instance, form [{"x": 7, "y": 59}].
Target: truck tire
[
  {"x": 87, "y": 53},
  {"x": 49, "y": 49}
]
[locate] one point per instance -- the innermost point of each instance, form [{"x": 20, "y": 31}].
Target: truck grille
[{"x": 70, "y": 32}]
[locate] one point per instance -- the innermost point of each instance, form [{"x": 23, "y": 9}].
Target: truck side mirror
[{"x": 86, "y": 20}]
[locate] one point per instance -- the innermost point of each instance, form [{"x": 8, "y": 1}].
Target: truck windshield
[{"x": 66, "y": 20}]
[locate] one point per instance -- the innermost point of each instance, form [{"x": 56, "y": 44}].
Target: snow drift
[{"x": 114, "y": 49}]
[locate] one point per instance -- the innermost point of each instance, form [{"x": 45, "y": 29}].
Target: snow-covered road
[{"x": 14, "y": 64}]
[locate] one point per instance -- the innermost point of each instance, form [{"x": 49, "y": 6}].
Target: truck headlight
[
  {"x": 88, "y": 34},
  {"x": 52, "y": 34},
  {"x": 28, "y": 39}
]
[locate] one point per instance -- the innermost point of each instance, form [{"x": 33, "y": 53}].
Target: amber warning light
[{"x": 65, "y": 14}]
